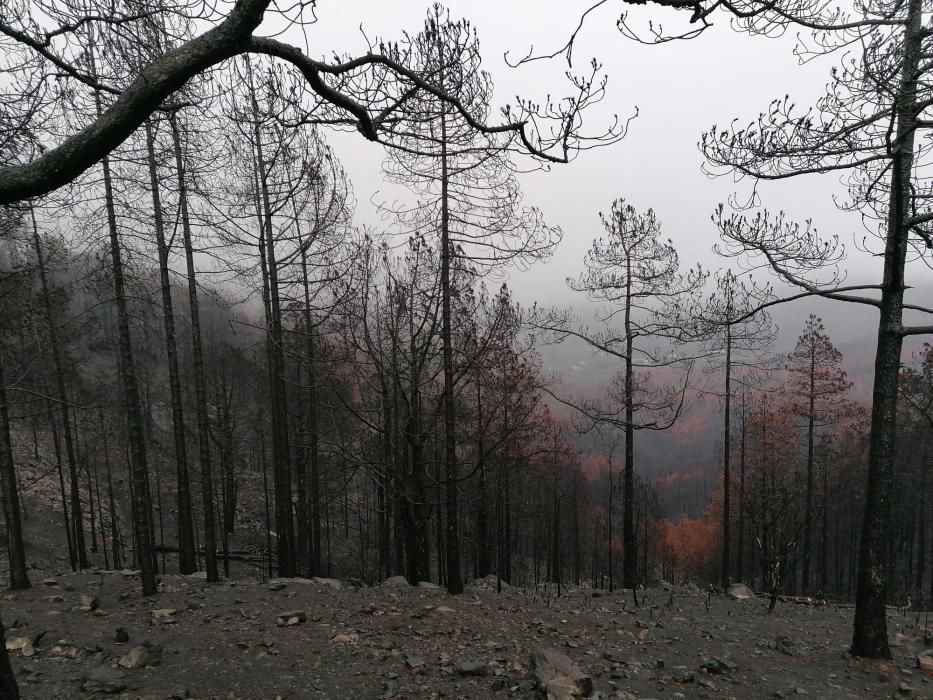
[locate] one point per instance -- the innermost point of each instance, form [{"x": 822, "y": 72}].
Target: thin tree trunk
[
  {"x": 72, "y": 554},
  {"x": 454, "y": 578},
  {"x": 200, "y": 386},
  {"x": 808, "y": 512},
  {"x": 726, "y": 463},
  {"x": 8, "y": 688},
  {"x": 186, "y": 555},
  {"x": 16, "y": 549},
  {"x": 314, "y": 543},
  {"x": 76, "y": 514},
  {"x": 629, "y": 562},
  {"x": 139, "y": 470}
]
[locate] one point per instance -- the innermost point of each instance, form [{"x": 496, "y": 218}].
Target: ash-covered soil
[{"x": 76, "y": 635}]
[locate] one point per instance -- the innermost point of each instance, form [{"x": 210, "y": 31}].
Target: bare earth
[{"x": 223, "y": 641}]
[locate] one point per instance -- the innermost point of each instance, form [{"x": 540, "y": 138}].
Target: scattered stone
[
  {"x": 428, "y": 585},
  {"x": 17, "y": 643},
  {"x": 121, "y": 636},
  {"x": 472, "y": 668},
  {"x": 289, "y": 619},
  {"x": 142, "y": 655},
  {"x": 277, "y": 586},
  {"x": 717, "y": 666},
  {"x": 925, "y": 660},
  {"x": 164, "y": 615},
  {"x": 104, "y": 680},
  {"x": 444, "y": 609},
  {"x": 739, "y": 591},
  {"x": 89, "y": 602},
  {"x": 414, "y": 662},
  {"x": 785, "y": 645},
  {"x": 558, "y": 676},
  {"x": 395, "y": 581},
  {"x": 905, "y": 689},
  {"x": 352, "y": 638}
]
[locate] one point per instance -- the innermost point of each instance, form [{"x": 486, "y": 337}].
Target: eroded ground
[{"x": 225, "y": 641}]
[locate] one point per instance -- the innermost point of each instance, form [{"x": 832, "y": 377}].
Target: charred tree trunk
[
  {"x": 77, "y": 518},
  {"x": 870, "y": 635},
  {"x": 16, "y": 549},
  {"x": 186, "y": 555},
  {"x": 200, "y": 384},
  {"x": 139, "y": 469}
]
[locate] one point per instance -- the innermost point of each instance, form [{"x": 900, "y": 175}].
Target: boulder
[
  {"x": 472, "y": 668},
  {"x": 142, "y": 655},
  {"x": 395, "y": 581},
  {"x": 104, "y": 680},
  {"x": 89, "y": 602},
  {"x": 739, "y": 591},
  {"x": 925, "y": 660},
  {"x": 558, "y": 676},
  {"x": 291, "y": 618}
]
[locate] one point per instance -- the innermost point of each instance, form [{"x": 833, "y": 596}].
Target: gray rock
[
  {"x": 396, "y": 581},
  {"x": 739, "y": 591},
  {"x": 415, "y": 663},
  {"x": 558, "y": 676},
  {"x": 472, "y": 668},
  {"x": 291, "y": 618},
  {"x": 89, "y": 601},
  {"x": 142, "y": 655},
  {"x": 717, "y": 665},
  {"x": 103, "y": 680},
  {"x": 925, "y": 660}
]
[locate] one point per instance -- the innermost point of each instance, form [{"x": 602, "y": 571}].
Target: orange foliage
[{"x": 690, "y": 544}]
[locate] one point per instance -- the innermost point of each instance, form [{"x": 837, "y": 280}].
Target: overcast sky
[{"x": 680, "y": 88}]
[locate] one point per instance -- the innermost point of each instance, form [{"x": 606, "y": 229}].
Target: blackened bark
[
  {"x": 77, "y": 519},
  {"x": 8, "y": 688},
  {"x": 726, "y": 462},
  {"x": 870, "y": 634},
  {"x": 186, "y": 554},
  {"x": 16, "y": 549},
  {"x": 629, "y": 559},
  {"x": 200, "y": 385}
]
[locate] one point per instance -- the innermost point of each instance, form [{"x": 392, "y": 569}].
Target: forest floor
[{"x": 225, "y": 641}]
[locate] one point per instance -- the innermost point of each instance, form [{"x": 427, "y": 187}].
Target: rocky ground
[{"x": 93, "y": 635}]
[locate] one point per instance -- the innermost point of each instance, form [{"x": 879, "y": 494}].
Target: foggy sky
[{"x": 681, "y": 89}]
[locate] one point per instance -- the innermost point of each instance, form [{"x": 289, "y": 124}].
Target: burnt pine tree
[
  {"x": 76, "y": 526},
  {"x": 739, "y": 338},
  {"x": 638, "y": 274},
  {"x": 139, "y": 469},
  {"x": 467, "y": 194},
  {"x": 364, "y": 92},
  {"x": 869, "y": 126},
  {"x": 817, "y": 387}
]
